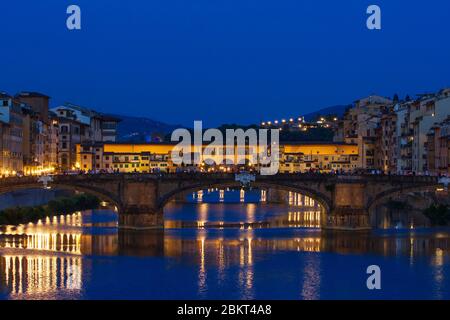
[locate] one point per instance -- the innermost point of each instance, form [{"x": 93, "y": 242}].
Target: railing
[{"x": 225, "y": 176}]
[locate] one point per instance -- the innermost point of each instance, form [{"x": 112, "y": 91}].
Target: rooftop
[
  {"x": 4, "y": 94},
  {"x": 31, "y": 94}
]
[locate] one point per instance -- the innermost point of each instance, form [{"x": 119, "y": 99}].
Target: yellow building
[
  {"x": 323, "y": 157},
  {"x": 155, "y": 157},
  {"x": 123, "y": 157}
]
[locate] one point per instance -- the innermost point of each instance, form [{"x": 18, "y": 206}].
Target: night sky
[{"x": 222, "y": 61}]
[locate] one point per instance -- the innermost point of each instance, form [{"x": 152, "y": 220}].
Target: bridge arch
[
  {"x": 376, "y": 204},
  {"x": 101, "y": 194},
  {"x": 383, "y": 196},
  {"x": 321, "y": 198}
]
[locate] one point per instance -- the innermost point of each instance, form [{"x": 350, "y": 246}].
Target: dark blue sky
[{"x": 222, "y": 60}]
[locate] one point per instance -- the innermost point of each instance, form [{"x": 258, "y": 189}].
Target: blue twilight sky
[{"x": 239, "y": 61}]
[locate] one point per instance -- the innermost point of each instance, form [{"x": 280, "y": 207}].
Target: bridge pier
[
  {"x": 139, "y": 198},
  {"x": 349, "y": 210},
  {"x": 141, "y": 217}
]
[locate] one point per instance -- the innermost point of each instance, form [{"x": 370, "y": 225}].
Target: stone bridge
[{"x": 140, "y": 198}]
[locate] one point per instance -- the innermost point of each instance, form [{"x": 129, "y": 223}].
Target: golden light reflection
[
  {"x": 202, "y": 274},
  {"x": 40, "y": 236},
  {"x": 439, "y": 257},
  {"x": 203, "y": 212},
  {"x": 200, "y": 196},
  {"x": 263, "y": 195},
  {"x": 58, "y": 242},
  {"x": 242, "y": 195},
  {"x": 250, "y": 212},
  {"x": 34, "y": 275},
  {"x": 305, "y": 219},
  {"x": 301, "y": 200},
  {"x": 438, "y": 270}
]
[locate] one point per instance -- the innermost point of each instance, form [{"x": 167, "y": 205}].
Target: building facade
[
  {"x": 438, "y": 148},
  {"x": 12, "y": 135},
  {"x": 35, "y": 113},
  {"x": 401, "y": 137},
  {"x": 80, "y": 125},
  {"x": 35, "y": 140},
  {"x": 360, "y": 125},
  {"x": 386, "y": 153},
  {"x": 156, "y": 157}
]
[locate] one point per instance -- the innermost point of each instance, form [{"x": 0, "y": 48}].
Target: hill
[
  {"x": 337, "y": 110},
  {"x": 141, "y": 129}
]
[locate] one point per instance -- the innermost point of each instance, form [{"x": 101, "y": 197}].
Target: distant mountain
[
  {"x": 334, "y": 110},
  {"x": 134, "y": 129}
]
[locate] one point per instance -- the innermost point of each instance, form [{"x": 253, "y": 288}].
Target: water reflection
[
  {"x": 40, "y": 276},
  {"x": 62, "y": 234},
  {"x": 245, "y": 216},
  {"x": 310, "y": 290},
  {"x": 48, "y": 260},
  {"x": 48, "y": 238}
]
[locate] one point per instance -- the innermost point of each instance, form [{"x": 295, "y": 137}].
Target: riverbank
[
  {"x": 32, "y": 197},
  {"x": 60, "y": 206}
]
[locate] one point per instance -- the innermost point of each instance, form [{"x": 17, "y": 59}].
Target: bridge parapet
[{"x": 229, "y": 176}]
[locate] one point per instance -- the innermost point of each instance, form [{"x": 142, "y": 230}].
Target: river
[{"x": 220, "y": 245}]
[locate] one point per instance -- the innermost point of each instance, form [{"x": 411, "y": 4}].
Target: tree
[{"x": 438, "y": 214}]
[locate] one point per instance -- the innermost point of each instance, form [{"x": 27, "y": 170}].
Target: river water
[{"x": 219, "y": 247}]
